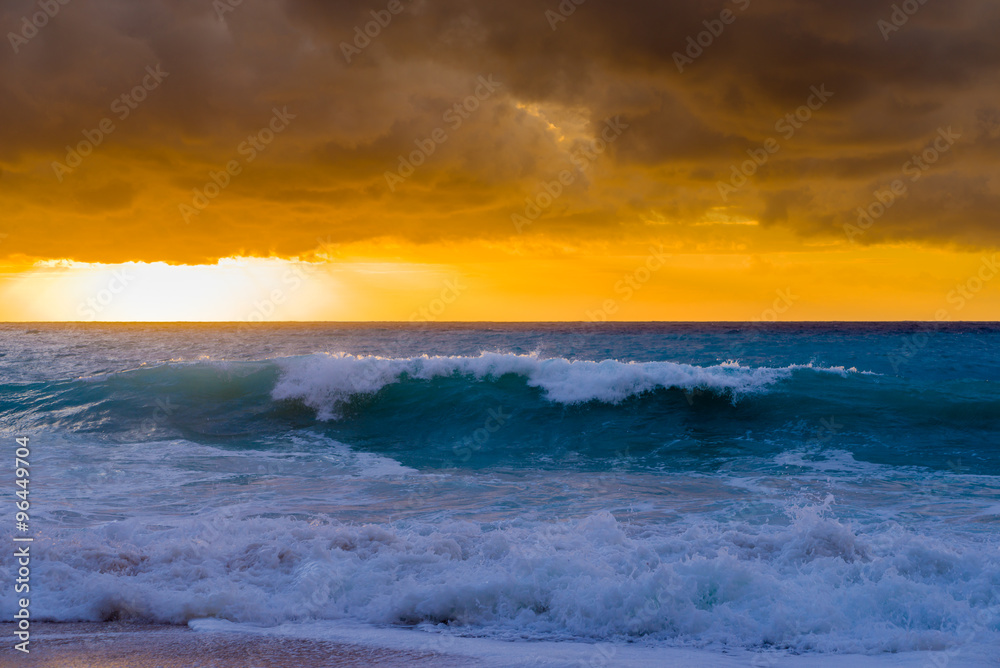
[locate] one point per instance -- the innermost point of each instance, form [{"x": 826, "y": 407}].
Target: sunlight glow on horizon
[{"x": 492, "y": 283}]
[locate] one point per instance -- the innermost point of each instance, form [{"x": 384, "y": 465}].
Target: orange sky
[{"x": 179, "y": 160}]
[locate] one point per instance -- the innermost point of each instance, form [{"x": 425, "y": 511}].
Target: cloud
[{"x": 326, "y": 174}]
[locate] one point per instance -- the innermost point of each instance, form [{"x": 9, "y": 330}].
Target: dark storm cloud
[{"x": 894, "y": 85}]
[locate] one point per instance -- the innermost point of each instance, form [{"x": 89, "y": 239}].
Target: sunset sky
[{"x": 269, "y": 160}]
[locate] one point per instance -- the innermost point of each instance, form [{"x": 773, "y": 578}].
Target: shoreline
[
  {"x": 210, "y": 643},
  {"x": 128, "y": 645}
]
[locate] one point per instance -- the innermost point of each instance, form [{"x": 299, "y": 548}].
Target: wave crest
[{"x": 326, "y": 382}]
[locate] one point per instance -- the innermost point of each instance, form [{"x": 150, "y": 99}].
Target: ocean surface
[{"x": 787, "y": 489}]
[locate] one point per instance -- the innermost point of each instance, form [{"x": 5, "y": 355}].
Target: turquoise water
[{"x": 817, "y": 487}]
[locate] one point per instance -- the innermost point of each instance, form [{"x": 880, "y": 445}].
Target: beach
[
  {"x": 124, "y": 645},
  {"x": 131, "y": 645}
]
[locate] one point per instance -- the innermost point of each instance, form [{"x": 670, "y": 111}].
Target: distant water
[{"x": 817, "y": 487}]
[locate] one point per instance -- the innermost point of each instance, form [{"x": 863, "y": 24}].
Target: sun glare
[{"x": 234, "y": 289}]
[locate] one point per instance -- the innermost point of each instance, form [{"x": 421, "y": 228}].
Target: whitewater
[{"x": 781, "y": 493}]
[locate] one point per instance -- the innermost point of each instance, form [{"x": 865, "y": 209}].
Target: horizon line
[{"x": 261, "y": 323}]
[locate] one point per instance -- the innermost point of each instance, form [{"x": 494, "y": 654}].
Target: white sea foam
[
  {"x": 325, "y": 382},
  {"x": 815, "y": 582}
]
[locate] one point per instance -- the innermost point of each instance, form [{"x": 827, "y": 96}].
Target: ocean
[{"x": 779, "y": 490}]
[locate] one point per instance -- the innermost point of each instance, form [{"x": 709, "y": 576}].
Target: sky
[{"x": 437, "y": 160}]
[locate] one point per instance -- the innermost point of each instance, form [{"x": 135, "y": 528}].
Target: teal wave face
[{"x": 526, "y": 411}]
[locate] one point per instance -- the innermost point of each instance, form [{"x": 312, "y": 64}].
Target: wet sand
[{"x": 123, "y": 645}]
